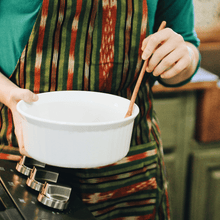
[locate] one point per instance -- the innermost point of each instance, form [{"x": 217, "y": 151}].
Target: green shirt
[{"x": 17, "y": 18}]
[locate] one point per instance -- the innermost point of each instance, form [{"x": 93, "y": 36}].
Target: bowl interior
[{"x": 76, "y": 107}]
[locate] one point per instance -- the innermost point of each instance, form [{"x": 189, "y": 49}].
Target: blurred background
[
  {"x": 190, "y": 125},
  {"x": 207, "y": 22}
]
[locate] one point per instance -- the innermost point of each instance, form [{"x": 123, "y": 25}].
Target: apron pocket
[{"x": 125, "y": 188}]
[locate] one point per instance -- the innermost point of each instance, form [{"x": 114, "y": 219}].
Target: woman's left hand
[{"x": 167, "y": 53}]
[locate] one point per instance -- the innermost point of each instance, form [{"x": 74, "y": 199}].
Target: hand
[
  {"x": 16, "y": 95},
  {"x": 167, "y": 53}
]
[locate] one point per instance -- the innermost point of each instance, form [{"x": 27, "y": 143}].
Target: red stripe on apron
[
  {"x": 121, "y": 192},
  {"x": 134, "y": 157},
  {"x": 37, "y": 71},
  {"x": 9, "y": 129},
  {"x": 21, "y": 73},
  {"x": 121, "y": 176},
  {"x": 107, "y": 45},
  {"x": 9, "y": 157},
  {"x": 129, "y": 204}
]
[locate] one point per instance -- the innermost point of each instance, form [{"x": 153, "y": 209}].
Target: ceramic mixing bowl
[{"x": 77, "y": 129}]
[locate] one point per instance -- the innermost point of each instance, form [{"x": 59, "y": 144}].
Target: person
[{"x": 100, "y": 45}]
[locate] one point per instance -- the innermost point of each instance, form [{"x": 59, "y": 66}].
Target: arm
[{"x": 10, "y": 95}]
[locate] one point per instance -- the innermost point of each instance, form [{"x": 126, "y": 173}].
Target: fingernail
[
  {"x": 144, "y": 56},
  {"x": 35, "y": 97},
  {"x": 149, "y": 70}
]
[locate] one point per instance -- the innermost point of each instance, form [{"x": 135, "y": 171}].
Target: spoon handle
[{"x": 138, "y": 83}]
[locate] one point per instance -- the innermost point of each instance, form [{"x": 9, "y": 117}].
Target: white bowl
[{"x": 77, "y": 129}]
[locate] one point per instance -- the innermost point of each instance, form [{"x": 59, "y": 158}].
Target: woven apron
[{"x": 96, "y": 46}]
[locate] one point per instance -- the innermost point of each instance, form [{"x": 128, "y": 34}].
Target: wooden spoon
[{"x": 138, "y": 83}]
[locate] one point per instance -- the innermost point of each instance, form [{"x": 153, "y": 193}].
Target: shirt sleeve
[
  {"x": 179, "y": 15},
  {"x": 17, "y": 18}
]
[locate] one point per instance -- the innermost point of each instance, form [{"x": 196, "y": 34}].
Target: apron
[{"x": 96, "y": 46}]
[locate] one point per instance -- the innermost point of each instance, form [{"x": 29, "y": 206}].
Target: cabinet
[
  {"x": 193, "y": 169},
  {"x": 205, "y": 183},
  {"x": 176, "y": 113},
  {"x": 208, "y": 114}
]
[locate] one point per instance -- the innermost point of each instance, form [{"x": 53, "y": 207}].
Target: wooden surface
[
  {"x": 208, "y": 115},
  {"x": 210, "y": 46},
  {"x": 188, "y": 87},
  {"x": 210, "y": 53},
  {"x": 202, "y": 80},
  {"x": 211, "y": 34}
]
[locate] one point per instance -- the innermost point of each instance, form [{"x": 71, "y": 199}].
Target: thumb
[{"x": 26, "y": 95}]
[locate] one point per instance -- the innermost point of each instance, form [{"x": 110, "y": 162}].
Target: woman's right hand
[{"x": 17, "y": 94}]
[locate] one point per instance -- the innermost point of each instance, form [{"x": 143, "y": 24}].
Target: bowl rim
[{"x": 47, "y": 121}]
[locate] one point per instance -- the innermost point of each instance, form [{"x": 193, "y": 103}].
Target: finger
[
  {"x": 20, "y": 139},
  {"x": 170, "y": 60},
  {"x": 19, "y": 136},
  {"x": 23, "y": 152},
  {"x": 26, "y": 95},
  {"x": 144, "y": 43},
  {"x": 29, "y": 96},
  {"x": 175, "y": 42},
  {"x": 176, "y": 68},
  {"x": 161, "y": 52},
  {"x": 155, "y": 41}
]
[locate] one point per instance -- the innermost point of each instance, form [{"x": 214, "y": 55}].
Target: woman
[{"x": 99, "y": 45}]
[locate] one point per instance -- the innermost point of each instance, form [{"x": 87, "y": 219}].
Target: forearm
[{"x": 186, "y": 73}]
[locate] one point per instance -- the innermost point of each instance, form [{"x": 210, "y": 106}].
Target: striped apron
[{"x": 95, "y": 45}]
